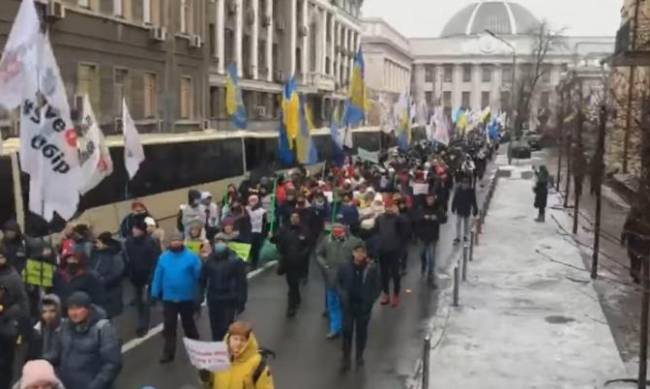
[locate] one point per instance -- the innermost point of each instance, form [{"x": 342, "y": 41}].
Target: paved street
[{"x": 305, "y": 359}]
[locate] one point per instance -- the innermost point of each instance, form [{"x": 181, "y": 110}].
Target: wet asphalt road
[{"x": 305, "y": 359}]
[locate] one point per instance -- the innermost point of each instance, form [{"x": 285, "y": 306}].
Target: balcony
[{"x": 320, "y": 81}]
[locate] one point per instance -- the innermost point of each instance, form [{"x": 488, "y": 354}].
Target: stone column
[
  {"x": 293, "y": 6},
  {"x": 305, "y": 40},
  {"x": 332, "y": 48},
  {"x": 238, "y": 36},
  {"x": 219, "y": 29},
  {"x": 269, "y": 41},
  {"x": 323, "y": 50},
  {"x": 255, "y": 32}
]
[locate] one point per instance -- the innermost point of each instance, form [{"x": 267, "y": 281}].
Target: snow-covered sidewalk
[{"x": 529, "y": 316}]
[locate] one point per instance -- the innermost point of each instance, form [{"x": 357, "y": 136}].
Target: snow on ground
[{"x": 529, "y": 315}]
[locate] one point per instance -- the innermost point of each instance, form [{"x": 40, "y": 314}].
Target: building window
[
  {"x": 546, "y": 74},
  {"x": 505, "y": 100},
  {"x": 187, "y": 98},
  {"x": 466, "y": 98},
  {"x": 446, "y": 99},
  {"x": 122, "y": 8},
  {"x": 151, "y": 12},
  {"x": 428, "y": 96},
  {"x": 88, "y": 83},
  {"x": 229, "y": 52},
  {"x": 485, "y": 99},
  {"x": 150, "y": 95},
  {"x": 506, "y": 74},
  {"x": 449, "y": 73},
  {"x": 487, "y": 73},
  {"x": 467, "y": 73},
  {"x": 187, "y": 17},
  {"x": 84, "y": 3},
  {"x": 545, "y": 99},
  {"x": 428, "y": 73},
  {"x": 120, "y": 89}
]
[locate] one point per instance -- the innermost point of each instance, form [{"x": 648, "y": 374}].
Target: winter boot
[{"x": 395, "y": 301}]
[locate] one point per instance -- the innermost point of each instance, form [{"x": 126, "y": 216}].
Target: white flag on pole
[
  {"x": 442, "y": 125},
  {"x": 48, "y": 140},
  {"x": 94, "y": 157},
  {"x": 18, "y": 61},
  {"x": 133, "y": 150}
]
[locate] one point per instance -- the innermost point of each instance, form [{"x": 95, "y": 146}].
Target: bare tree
[{"x": 545, "y": 41}]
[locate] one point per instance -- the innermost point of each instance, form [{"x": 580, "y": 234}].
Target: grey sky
[{"x": 425, "y": 18}]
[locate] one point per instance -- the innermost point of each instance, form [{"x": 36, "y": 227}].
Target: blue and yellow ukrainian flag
[
  {"x": 291, "y": 110},
  {"x": 234, "y": 102},
  {"x": 305, "y": 147},
  {"x": 285, "y": 155},
  {"x": 355, "y": 106}
]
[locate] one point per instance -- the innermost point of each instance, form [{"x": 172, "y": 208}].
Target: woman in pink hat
[{"x": 38, "y": 374}]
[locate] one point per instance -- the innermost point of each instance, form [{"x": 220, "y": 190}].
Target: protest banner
[
  {"x": 370, "y": 156},
  {"x": 210, "y": 356},
  {"x": 242, "y": 250}
]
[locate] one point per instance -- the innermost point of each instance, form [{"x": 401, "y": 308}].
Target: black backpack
[{"x": 265, "y": 354}]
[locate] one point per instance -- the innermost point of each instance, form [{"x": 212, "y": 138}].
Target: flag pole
[{"x": 18, "y": 191}]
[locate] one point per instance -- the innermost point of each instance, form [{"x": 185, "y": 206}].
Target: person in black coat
[
  {"x": 108, "y": 263},
  {"x": 393, "y": 236},
  {"x": 141, "y": 252},
  {"x": 74, "y": 276},
  {"x": 427, "y": 230},
  {"x": 636, "y": 237},
  {"x": 14, "y": 245},
  {"x": 357, "y": 283},
  {"x": 541, "y": 192},
  {"x": 14, "y": 310},
  {"x": 223, "y": 279},
  {"x": 293, "y": 247},
  {"x": 464, "y": 205},
  {"x": 138, "y": 212}
]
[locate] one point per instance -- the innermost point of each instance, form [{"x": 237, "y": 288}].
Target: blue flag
[
  {"x": 285, "y": 155},
  {"x": 234, "y": 102}
]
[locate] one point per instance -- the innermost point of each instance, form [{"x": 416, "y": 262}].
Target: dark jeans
[
  {"x": 171, "y": 311},
  {"x": 294, "y": 276},
  {"x": 142, "y": 305},
  {"x": 389, "y": 264},
  {"x": 257, "y": 240},
  {"x": 222, "y": 314},
  {"x": 7, "y": 356},
  {"x": 355, "y": 323}
]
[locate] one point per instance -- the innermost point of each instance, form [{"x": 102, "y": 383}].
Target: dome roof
[{"x": 500, "y": 17}]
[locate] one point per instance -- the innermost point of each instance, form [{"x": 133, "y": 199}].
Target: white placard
[
  {"x": 211, "y": 356},
  {"x": 420, "y": 188}
]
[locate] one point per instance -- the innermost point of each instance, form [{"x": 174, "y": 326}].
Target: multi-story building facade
[
  {"x": 629, "y": 83},
  {"x": 168, "y": 58}
]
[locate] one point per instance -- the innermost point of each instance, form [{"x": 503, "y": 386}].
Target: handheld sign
[{"x": 210, "y": 356}]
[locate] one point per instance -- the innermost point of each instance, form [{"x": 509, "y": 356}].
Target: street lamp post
[{"x": 512, "y": 86}]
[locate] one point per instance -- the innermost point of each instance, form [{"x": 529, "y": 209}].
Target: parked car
[
  {"x": 534, "y": 141},
  {"x": 520, "y": 150}
]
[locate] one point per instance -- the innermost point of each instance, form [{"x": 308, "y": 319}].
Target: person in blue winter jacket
[{"x": 175, "y": 282}]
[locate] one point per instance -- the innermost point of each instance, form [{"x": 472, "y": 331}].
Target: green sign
[{"x": 242, "y": 250}]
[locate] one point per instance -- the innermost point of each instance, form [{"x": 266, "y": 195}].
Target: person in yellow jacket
[{"x": 248, "y": 369}]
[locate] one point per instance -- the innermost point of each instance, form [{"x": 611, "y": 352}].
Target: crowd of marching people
[{"x": 353, "y": 223}]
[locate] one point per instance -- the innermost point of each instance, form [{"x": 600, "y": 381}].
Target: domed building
[{"x": 470, "y": 64}]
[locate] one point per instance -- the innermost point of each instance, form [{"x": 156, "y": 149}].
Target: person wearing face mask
[
  {"x": 138, "y": 211},
  {"x": 74, "y": 276},
  {"x": 259, "y": 227},
  {"x": 249, "y": 368},
  {"x": 331, "y": 253},
  {"x": 14, "y": 310},
  {"x": 192, "y": 212},
  {"x": 223, "y": 280},
  {"x": 357, "y": 283},
  {"x": 427, "y": 229},
  {"x": 464, "y": 205},
  {"x": 175, "y": 283}
]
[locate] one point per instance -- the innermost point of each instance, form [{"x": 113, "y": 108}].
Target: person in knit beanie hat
[{"x": 38, "y": 374}]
